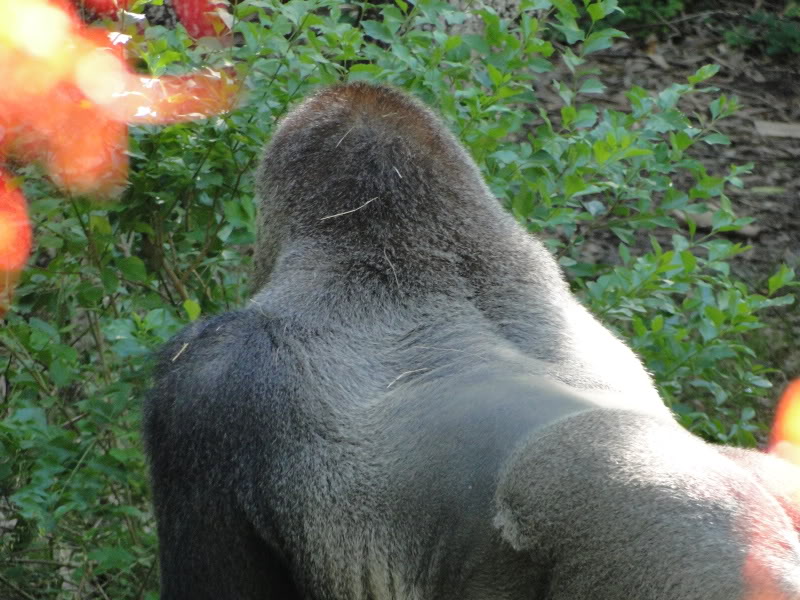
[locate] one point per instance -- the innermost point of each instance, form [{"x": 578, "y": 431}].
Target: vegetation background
[{"x": 109, "y": 283}]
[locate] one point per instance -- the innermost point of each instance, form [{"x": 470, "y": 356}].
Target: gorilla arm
[
  {"x": 645, "y": 511},
  {"x": 208, "y": 548}
]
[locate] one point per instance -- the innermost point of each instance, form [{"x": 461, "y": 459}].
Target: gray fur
[{"x": 413, "y": 406}]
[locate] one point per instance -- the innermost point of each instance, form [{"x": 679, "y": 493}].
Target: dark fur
[{"x": 413, "y": 406}]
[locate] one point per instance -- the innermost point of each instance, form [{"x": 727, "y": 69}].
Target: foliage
[
  {"x": 774, "y": 34},
  {"x": 650, "y": 11},
  {"x": 110, "y": 283}
]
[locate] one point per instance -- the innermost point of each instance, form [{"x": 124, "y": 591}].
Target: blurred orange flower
[
  {"x": 67, "y": 99},
  {"x": 15, "y": 236},
  {"x": 785, "y": 436}
]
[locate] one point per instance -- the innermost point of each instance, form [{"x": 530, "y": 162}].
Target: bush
[
  {"x": 775, "y": 35},
  {"x": 650, "y": 11},
  {"x": 110, "y": 283}
]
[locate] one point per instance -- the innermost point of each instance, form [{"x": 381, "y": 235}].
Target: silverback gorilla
[{"x": 413, "y": 406}]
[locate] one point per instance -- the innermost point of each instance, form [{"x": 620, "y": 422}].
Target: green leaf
[
  {"x": 453, "y": 42},
  {"x": 369, "y": 68},
  {"x": 680, "y": 140},
  {"x": 132, "y": 269},
  {"x": 715, "y": 314},
  {"x": 569, "y": 28},
  {"x": 506, "y": 92},
  {"x": 537, "y": 64},
  {"x": 657, "y": 324},
  {"x": 716, "y": 107},
  {"x": 596, "y": 11},
  {"x": 639, "y": 327},
  {"x": 574, "y": 184},
  {"x": 566, "y": 8},
  {"x": 296, "y": 11},
  {"x": 109, "y": 558},
  {"x": 689, "y": 261},
  {"x": 591, "y": 86},
  {"x": 61, "y": 373},
  {"x": 567, "y": 95},
  {"x": 377, "y": 30},
  {"x": 633, "y": 152},
  {"x": 99, "y": 224},
  {"x": 89, "y": 294},
  {"x": 568, "y": 115},
  {"x": 600, "y": 40},
  {"x": 784, "y": 276},
  {"x": 110, "y": 280},
  {"x": 611, "y": 6},
  {"x": 192, "y": 309},
  {"x": 495, "y": 75},
  {"x": 703, "y": 73},
  {"x": 602, "y": 151},
  {"x": 717, "y": 138}
]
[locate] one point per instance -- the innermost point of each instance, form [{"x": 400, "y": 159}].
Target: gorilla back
[{"x": 413, "y": 405}]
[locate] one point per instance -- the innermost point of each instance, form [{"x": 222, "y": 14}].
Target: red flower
[{"x": 68, "y": 95}]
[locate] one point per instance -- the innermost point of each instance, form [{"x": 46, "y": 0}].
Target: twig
[
  {"x": 38, "y": 561},
  {"x": 386, "y": 256},
  {"x": 20, "y": 591},
  {"x": 700, "y": 15},
  {"x": 347, "y": 212},
  {"x": 399, "y": 377},
  {"x": 344, "y": 136}
]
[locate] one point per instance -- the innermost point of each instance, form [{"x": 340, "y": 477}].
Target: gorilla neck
[
  {"x": 384, "y": 270},
  {"x": 406, "y": 246},
  {"x": 490, "y": 273}
]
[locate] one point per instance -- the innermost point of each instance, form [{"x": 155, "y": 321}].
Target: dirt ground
[{"x": 768, "y": 90}]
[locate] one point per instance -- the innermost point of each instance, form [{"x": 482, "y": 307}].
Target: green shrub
[
  {"x": 775, "y": 35},
  {"x": 650, "y": 11},
  {"x": 109, "y": 283}
]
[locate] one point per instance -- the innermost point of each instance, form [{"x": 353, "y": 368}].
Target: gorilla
[{"x": 413, "y": 406}]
